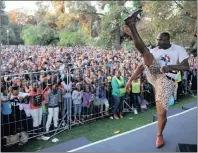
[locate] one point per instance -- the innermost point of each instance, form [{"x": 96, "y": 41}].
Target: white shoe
[
  {"x": 63, "y": 124},
  {"x": 135, "y": 111}
]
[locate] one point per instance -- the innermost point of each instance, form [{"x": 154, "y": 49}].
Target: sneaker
[
  {"x": 135, "y": 111},
  {"x": 121, "y": 116},
  {"x": 115, "y": 117}
]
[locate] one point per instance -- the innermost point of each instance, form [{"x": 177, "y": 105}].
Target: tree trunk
[
  {"x": 90, "y": 28},
  {"x": 117, "y": 37}
]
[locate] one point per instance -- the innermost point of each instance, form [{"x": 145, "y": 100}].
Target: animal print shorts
[{"x": 163, "y": 86}]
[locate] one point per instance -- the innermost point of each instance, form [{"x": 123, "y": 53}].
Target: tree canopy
[{"x": 99, "y": 23}]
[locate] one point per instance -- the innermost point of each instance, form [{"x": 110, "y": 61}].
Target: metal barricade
[
  {"x": 91, "y": 94},
  {"x": 86, "y": 96},
  {"x": 25, "y": 111}
]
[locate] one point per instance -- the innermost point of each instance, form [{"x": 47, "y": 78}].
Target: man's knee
[{"x": 161, "y": 112}]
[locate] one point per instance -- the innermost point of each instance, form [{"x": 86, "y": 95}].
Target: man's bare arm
[
  {"x": 137, "y": 72},
  {"x": 183, "y": 66}
]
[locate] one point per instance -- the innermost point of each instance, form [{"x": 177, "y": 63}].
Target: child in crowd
[{"x": 77, "y": 102}]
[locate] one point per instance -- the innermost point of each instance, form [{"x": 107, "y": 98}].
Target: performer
[{"x": 159, "y": 72}]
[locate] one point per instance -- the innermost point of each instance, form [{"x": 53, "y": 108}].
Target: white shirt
[
  {"x": 21, "y": 94},
  {"x": 68, "y": 89},
  {"x": 176, "y": 54},
  {"x": 77, "y": 97},
  {"x": 171, "y": 56}
]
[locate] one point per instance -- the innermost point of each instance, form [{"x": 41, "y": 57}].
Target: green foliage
[
  {"x": 72, "y": 38},
  {"x": 109, "y": 25},
  {"x": 40, "y": 34},
  {"x": 128, "y": 46},
  {"x": 113, "y": 20},
  {"x": 5, "y": 36},
  {"x": 84, "y": 22},
  {"x": 16, "y": 40},
  {"x": 178, "y": 19}
]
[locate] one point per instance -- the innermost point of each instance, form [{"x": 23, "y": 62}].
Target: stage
[{"x": 180, "y": 128}]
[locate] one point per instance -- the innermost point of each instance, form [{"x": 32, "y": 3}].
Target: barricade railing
[
  {"x": 84, "y": 99},
  {"x": 26, "y": 114},
  {"x": 88, "y": 104}
]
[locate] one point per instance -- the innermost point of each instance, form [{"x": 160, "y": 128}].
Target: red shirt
[
  {"x": 60, "y": 86},
  {"x": 32, "y": 93}
]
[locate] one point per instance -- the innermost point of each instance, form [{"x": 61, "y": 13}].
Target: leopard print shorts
[
  {"x": 163, "y": 86},
  {"x": 164, "y": 89}
]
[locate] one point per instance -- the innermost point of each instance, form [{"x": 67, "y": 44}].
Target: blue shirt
[
  {"x": 6, "y": 106},
  {"x": 102, "y": 93}
]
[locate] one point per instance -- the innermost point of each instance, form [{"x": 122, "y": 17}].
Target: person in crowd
[
  {"x": 103, "y": 100},
  {"x": 53, "y": 102},
  {"x": 77, "y": 102},
  {"x": 87, "y": 101},
  {"x": 135, "y": 94},
  {"x": 67, "y": 100},
  {"x": 35, "y": 102},
  {"x": 6, "y": 113},
  {"x": 118, "y": 92}
]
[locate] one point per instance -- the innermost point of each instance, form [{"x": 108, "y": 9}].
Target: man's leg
[
  {"x": 139, "y": 44},
  {"x": 162, "y": 119}
]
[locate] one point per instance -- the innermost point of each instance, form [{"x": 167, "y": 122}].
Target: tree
[
  {"x": 40, "y": 34},
  {"x": 19, "y": 17},
  {"x": 86, "y": 15},
  {"x": 112, "y": 23},
  {"x": 73, "y": 38},
  {"x": 4, "y": 24},
  {"x": 16, "y": 39},
  {"x": 63, "y": 20},
  {"x": 176, "y": 17}
]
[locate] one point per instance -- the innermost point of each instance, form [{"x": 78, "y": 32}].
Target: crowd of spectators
[{"x": 65, "y": 84}]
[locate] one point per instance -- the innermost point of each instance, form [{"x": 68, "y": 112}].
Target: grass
[{"x": 98, "y": 130}]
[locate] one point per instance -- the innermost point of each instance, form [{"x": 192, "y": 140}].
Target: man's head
[{"x": 163, "y": 40}]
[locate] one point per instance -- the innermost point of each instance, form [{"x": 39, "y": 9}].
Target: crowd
[{"x": 44, "y": 83}]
